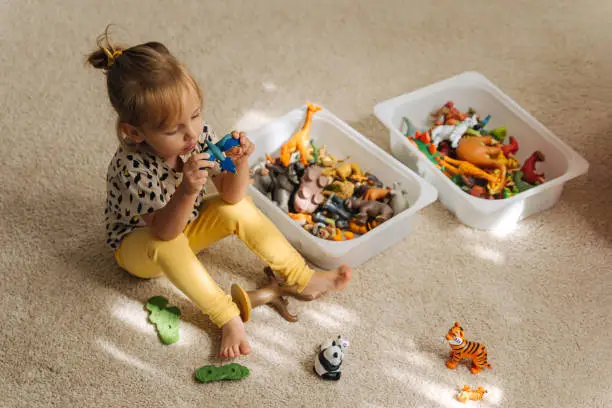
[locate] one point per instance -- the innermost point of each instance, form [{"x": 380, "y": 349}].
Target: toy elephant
[
  {"x": 285, "y": 181},
  {"x": 263, "y": 180}
]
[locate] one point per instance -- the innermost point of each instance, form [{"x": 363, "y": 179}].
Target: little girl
[{"x": 156, "y": 218}]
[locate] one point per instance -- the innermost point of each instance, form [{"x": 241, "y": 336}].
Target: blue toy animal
[{"x": 216, "y": 151}]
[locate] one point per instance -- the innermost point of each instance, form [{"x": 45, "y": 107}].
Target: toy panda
[{"x": 329, "y": 358}]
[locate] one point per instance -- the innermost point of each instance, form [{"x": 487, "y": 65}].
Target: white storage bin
[
  {"x": 472, "y": 89},
  {"x": 341, "y": 140}
]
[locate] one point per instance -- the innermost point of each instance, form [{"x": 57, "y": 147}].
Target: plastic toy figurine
[
  {"x": 528, "y": 169},
  {"x": 344, "y": 171},
  {"x": 309, "y": 195},
  {"x": 284, "y": 182},
  {"x": 452, "y": 133},
  {"x": 335, "y": 205},
  {"x": 369, "y": 208},
  {"x": 343, "y": 189},
  {"x": 376, "y": 193},
  {"x": 467, "y": 394},
  {"x": 301, "y": 218},
  {"x": 217, "y": 151},
  {"x": 272, "y": 293},
  {"x": 481, "y": 152},
  {"x": 299, "y": 141},
  {"x": 263, "y": 181},
  {"x": 447, "y": 113},
  {"x": 233, "y": 371},
  {"x": 482, "y": 123},
  {"x": 399, "y": 201},
  {"x": 499, "y": 133},
  {"x": 465, "y": 168},
  {"x": 517, "y": 178},
  {"x": 461, "y": 348},
  {"x": 329, "y": 358},
  {"x": 359, "y": 228},
  {"x": 320, "y": 218},
  {"x": 510, "y": 148}
]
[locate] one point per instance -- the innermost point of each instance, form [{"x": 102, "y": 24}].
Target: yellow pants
[{"x": 145, "y": 256}]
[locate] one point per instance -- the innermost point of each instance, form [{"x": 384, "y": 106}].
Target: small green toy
[
  {"x": 315, "y": 152},
  {"x": 499, "y": 133},
  {"x": 521, "y": 185},
  {"x": 233, "y": 371},
  {"x": 165, "y": 318}
]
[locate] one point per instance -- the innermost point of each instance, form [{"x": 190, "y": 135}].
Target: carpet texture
[{"x": 74, "y": 328}]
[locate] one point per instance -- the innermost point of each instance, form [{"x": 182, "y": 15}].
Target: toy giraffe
[
  {"x": 299, "y": 141},
  {"x": 467, "y": 393}
]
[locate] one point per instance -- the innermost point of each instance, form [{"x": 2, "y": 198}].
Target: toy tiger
[
  {"x": 461, "y": 348},
  {"x": 467, "y": 393}
]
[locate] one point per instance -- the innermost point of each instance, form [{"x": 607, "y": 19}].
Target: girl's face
[{"x": 180, "y": 137}]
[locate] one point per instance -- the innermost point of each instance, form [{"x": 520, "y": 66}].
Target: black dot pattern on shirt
[{"x": 137, "y": 184}]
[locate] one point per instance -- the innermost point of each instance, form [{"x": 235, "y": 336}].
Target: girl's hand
[
  {"x": 195, "y": 174},
  {"x": 243, "y": 151}
]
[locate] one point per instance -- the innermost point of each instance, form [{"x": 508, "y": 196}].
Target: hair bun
[{"x": 106, "y": 55}]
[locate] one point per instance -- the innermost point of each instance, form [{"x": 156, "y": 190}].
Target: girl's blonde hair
[{"x": 145, "y": 84}]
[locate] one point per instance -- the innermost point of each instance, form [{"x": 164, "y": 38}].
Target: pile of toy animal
[
  {"x": 474, "y": 158},
  {"x": 331, "y": 198}
]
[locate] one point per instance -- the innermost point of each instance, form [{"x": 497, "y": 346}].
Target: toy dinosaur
[
  {"x": 299, "y": 141},
  {"x": 510, "y": 148},
  {"x": 529, "y": 171},
  {"x": 369, "y": 208},
  {"x": 467, "y": 394},
  {"x": 272, "y": 293},
  {"x": 481, "y": 152},
  {"x": 465, "y": 168},
  {"x": 461, "y": 348}
]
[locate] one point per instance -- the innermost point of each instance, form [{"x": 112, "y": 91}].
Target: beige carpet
[{"x": 74, "y": 331}]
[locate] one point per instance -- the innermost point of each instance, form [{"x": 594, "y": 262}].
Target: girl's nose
[{"x": 192, "y": 132}]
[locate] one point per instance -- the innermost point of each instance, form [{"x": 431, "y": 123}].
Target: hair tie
[{"x": 112, "y": 57}]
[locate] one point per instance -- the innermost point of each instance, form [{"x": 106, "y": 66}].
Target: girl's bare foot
[
  {"x": 233, "y": 342},
  {"x": 322, "y": 282}
]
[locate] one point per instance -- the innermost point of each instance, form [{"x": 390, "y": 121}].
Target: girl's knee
[
  {"x": 157, "y": 247},
  {"x": 240, "y": 210}
]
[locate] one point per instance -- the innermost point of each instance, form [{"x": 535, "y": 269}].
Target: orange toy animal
[
  {"x": 467, "y": 393},
  {"x": 299, "y": 141},
  {"x": 461, "y": 348},
  {"x": 481, "y": 152},
  {"x": 376, "y": 193}
]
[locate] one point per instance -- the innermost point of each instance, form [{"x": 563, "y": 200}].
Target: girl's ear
[{"x": 131, "y": 132}]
